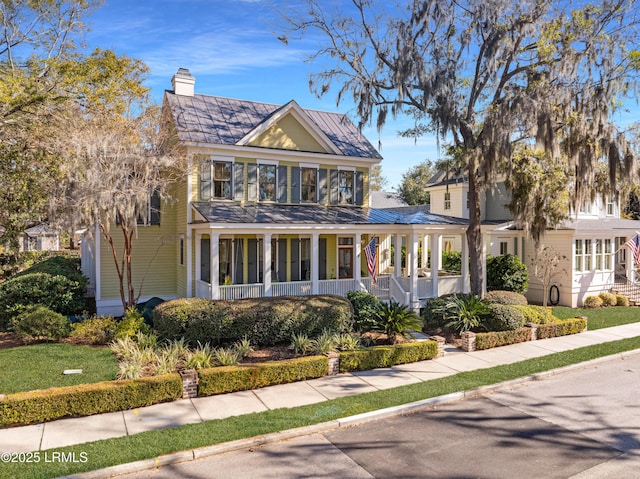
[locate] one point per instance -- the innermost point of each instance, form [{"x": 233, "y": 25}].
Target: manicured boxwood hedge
[
  {"x": 227, "y": 379},
  {"x": 385, "y": 356},
  {"x": 502, "y": 338},
  {"x": 86, "y": 399},
  {"x": 264, "y": 321},
  {"x": 562, "y": 328}
]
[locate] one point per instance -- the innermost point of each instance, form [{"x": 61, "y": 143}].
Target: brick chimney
[{"x": 183, "y": 83}]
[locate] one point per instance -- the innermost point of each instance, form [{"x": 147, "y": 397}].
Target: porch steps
[{"x": 629, "y": 289}]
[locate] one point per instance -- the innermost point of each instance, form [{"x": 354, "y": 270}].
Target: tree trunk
[{"x": 474, "y": 233}]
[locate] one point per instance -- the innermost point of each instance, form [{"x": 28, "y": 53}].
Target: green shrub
[
  {"x": 66, "y": 266},
  {"x": 562, "y": 328},
  {"x": 507, "y": 273},
  {"x": 40, "y": 323},
  {"x": 592, "y": 302},
  {"x": 505, "y": 297},
  {"x": 414, "y": 351},
  {"x": 537, "y": 314},
  {"x": 622, "y": 300},
  {"x": 452, "y": 261},
  {"x": 434, "y": 312},
  {"x": 465, "y": 312},
  {"x": 131, "y": 324},
  {"x": 95, "y": 330},
  {"x": 504, "y": 317},
  {"x": 227, "y": 379},
  {"x": 58, "y": 293},
  {"x": 608, "y": 299},
  {"x": 398, "y": 320},
  {"x": 366, "y": 307},
  {"x": 263, "y": 321},
  {"x": 495, "y": 339},
  {"x": 86, "y": 399},
  {"x": 385, "y": 356}
]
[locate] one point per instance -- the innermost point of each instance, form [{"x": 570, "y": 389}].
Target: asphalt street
[{"x": 583, "y": 424}]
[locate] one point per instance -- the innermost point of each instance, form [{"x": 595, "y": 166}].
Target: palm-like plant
[
  {"x": 464, "y": 312},
  {"x": 398, "y": 320}
]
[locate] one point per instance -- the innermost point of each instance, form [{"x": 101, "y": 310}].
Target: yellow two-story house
[{"x": 276, "y": 202}]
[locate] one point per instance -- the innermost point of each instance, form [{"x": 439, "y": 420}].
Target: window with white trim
[
  {"x": 611, "y": 206},
  {"x": 447, "y": 201},
  {"x": 607, "y": 254},
  {"x": 346, "y": 187},
  {"x": 215, "y": 179},
  {"x": 588, "y": 253},
  {"x": 267, "y": 182},
  {"x": 504, "y": 248},
  {"x": 599, "y": 256},
  {"x": 578, "y": 255},
  {"x": 309, "y": 184}
]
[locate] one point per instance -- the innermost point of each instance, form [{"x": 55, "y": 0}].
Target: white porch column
[
  {"x": 483, "y": 239},
  {"x": 315, "y": 263},
  {"x": 189, "y": 268},
  {"x": 412, "y": 265},
  {"x": 215, "y": 265},
  {"x": 266, "y": 267},
  {"x": 464, "y": 272},
  {"x": 198, "y": 274},
  {"x": 397, "y": 255},
  {"x": 425, "y": 251},
  {"x": 439, "y": 255},
  {"x": 436, "y": 241},
  {"x": 358, "y": 261}
]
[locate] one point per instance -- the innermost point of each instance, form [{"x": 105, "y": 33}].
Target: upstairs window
[
  {"x": 152, "y": 216},
  {"x": 578, "y": 256},
  {"x": 215, "y": 180},
  {"x": 267, "y": 182},
  {"x": 447, "y": 201},
  {"x": 309, "y": 183},
  {"x": 611, "y": 206},
  {"x": 345, "y": 187}
]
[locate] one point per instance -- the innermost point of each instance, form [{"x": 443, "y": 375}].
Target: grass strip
[
  {"x": 40, "y": 366},
  {"x": 602, "y": 317},
  {"x": 151, "y": 444}
]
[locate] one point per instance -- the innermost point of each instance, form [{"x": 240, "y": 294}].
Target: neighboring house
[
  {"x": 591, "y": 241},
  {"x": 39, "y": 238},
  {"x": 276, "y": 202}
]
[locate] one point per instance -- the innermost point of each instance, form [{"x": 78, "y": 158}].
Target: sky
[{"x": 231, "y": 48}]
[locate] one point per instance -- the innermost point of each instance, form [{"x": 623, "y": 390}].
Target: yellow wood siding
[
  {"x": 180, "y": 207},
  {"x": 332, "y": 255},
  {"x": 153, "y": 258},
  {"x": 288, "y": 134}
]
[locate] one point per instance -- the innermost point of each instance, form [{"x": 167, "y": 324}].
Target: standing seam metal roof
[{"x": 225, "y": 121}]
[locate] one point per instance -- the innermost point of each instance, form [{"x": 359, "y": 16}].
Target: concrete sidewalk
[{"x": 66, "y": 432}]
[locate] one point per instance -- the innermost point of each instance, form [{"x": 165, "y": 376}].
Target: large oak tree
[{"x": 491, "y": 78}]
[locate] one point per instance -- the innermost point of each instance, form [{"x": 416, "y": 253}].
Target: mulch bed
[{"x": 10, "y": 340}]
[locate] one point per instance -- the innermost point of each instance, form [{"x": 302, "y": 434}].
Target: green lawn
[
  {"x": 600, "y": 318},
  {"x": 148, "y": 445},
  {"x": 40, "y": 366}
]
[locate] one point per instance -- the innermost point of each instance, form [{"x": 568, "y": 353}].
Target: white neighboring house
[
  {"x": 40, "y": 237},
  {"x": 592, "y": 241}
]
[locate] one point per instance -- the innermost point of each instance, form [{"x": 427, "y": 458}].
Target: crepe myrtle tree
[{"x": 489, "y": 78}]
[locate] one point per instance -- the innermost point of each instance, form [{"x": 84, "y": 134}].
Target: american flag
[
  {"x": 370, "y": 251},
  {"x": 634, "y": 246}
]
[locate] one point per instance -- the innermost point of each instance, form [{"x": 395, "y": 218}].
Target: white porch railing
[
  {"x": 239, "y": 291},
  {"x": 338, "y": 287},
  {"x": 380, "y": 288},
  {"x": 449, "y": 284},
  {"x": 292, "y": 288},
  {"x": 203, "y": 289},
  {"x": 397, "y": 291},
  {"x": 425, "y": 288}
]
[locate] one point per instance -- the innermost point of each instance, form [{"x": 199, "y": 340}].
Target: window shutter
[
  {"x": 333, "y": 192},
  {"x": 238, "y": 266},
  {"x": 359, "y": 188},
  {"x": 295, "y": 259},
  {"x": 322, "y": 186},
  {"x": 206, "y": 187},
  {"x": 252, "y": 182},
  {"x": 154, "y": 205},
  {"x": 322, "y": 258},
  {"x": 253, "y": 261},
  {"x": 295, "y": 184},
  {"x": 282, "y": 184},
  {"x": 238, "y": 181},
  {"x": 282, "y": 260}
]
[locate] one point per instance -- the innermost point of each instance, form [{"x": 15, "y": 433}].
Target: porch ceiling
[{"x": 231, "y": 212}]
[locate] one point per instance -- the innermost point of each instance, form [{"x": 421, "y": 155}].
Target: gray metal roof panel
[{"x": 218, "y": 120}]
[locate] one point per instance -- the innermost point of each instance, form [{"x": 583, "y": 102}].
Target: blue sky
[{"x": 231, "y": 48}]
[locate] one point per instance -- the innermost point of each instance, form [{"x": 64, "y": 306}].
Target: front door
[{"x": 345, "y": 258}]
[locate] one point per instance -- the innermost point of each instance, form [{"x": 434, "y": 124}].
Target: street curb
[{"x": 350, "y": 421}]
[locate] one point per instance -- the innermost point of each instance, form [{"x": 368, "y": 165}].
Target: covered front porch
[{"x": 278, "y": 262}]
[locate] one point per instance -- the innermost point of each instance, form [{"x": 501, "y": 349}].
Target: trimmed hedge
[
  {"x": 264, "y": 321},
  {"x": 39, "y": 322},
  {"x": 562, "y": 328},
  {"x": 385, "y": 356},
  {"x": 505, "y": 297},
  {"x": 537, "y": 314},
  {"x": 502, "y": 338},
  {"x": 227, "y": 379},
  {"x": 504, "y": 317},
  {"x": 86, "y": 399}
]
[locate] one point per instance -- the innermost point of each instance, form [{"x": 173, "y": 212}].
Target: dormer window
[{"x": 611, "y": 206}]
